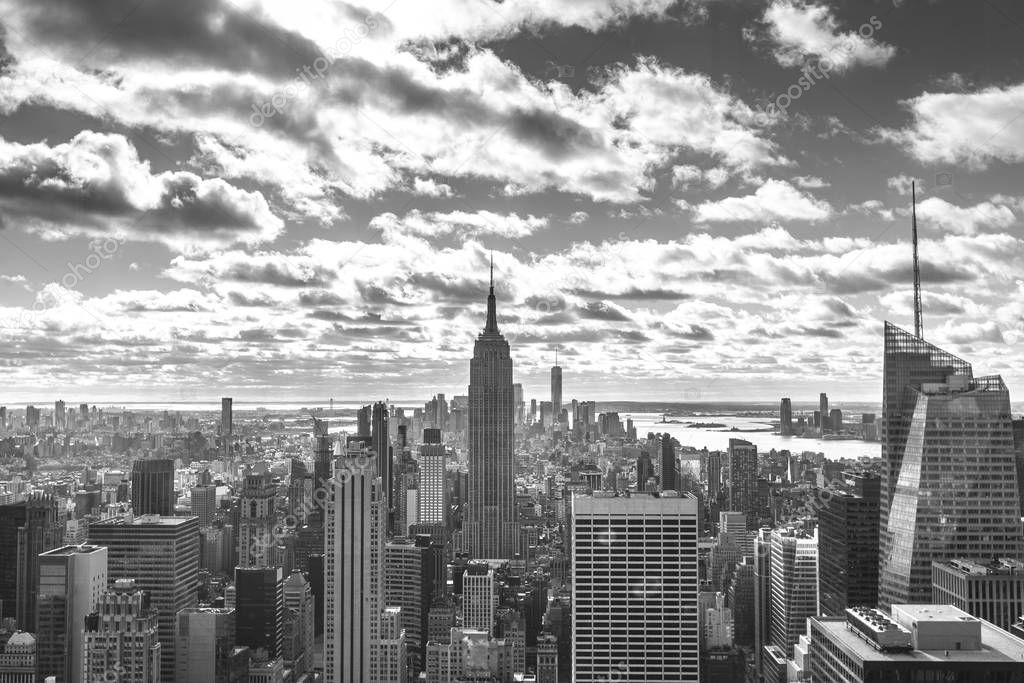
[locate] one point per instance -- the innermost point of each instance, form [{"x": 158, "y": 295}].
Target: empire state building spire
[{"x": 492, "y": 315}]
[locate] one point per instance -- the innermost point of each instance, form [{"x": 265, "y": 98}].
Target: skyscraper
[
  {"x": 162, "y": 555},
  {"x": 634, "y": 588},
  {"x": 299, "y": 626},
  {"x": 121, "y": 637},
  {"x": 556, "y": 390},
  {"x": 27, "y": 528},
  {"x": 259, "y": 609},
  {"x": 743, "y": 480},
  {"x": 71, "y": 580},
  {"x": 204, "y": 503},
  {"x": 668, "y": 464},
  {"x": 823, "y": 410},
  {"x": 256, "y": 520},
  {"x": 947, "y": 439},
  {"x": 478, "y": 597},
  {"x": 848, "y": 546},
  {"x": 381, "y": 444},
  {"x": 794, "y": 586},
  {"x": 153, "y": 487},
  {"x": 353, "y": 567},
  {"x": 205, "y": 639},
  {"x": 432, "y": 491},
  {"x": 490, "y": 526},
  {"x": 786, "y": 417},
  {"x": 227, "y": 426}
]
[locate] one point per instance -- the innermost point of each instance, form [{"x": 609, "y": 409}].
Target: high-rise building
[
  {"x": 121, "y": 639},
  {"x": 848, "y": 545},
  {"x": 299, "y": 626},
  {"x": 27, "y": 528},
  {"x": 394, "y": 657},
  {"x": 259, "y": 609},
  {"x": 490, "y": 527},
  {"x": 227, "y": 424},
  {"x": 556, "y": 391},
  {"x": 162, "y": 555},
  {"x": 794, "y": 586},
  {"x": 204, "y": 504},
  {"x": 301, "y": 484},
  {"x": 478, "y": 597},
  {"x": 71, "y": 581},
  {"x": 668, "y": 464},
  {"x": 412, "y": 569},
  {"x": 257, "y": 516},
  {"x": 432, "y": 499},
  {"x": 947, "y": 440},
  {"x": 823, "y": 412},
  {"x": 520, "y": 406},
  {"x": 355, "y": 530},
  {"x": 153, "y": 487},
  {"x": 205, "y": 642},
  {"x": 743, "y": 480},
  {"x": 634, "y": 588},
  {"x": 381, "y": 444},
  {"x": 835, "y": 420},
  {"x": 786, "y": 417},
  {"x": 644, "y": 470},
  {"x": 993, "y": 591},
  {"x": 18, "y": 659},
  {"x": 323, "y": 467},
  {"x": 920, "y": 642},
  {"x": 60, "y": 418}
]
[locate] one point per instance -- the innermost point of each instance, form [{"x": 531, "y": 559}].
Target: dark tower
[{"x": 153, "y": 487}]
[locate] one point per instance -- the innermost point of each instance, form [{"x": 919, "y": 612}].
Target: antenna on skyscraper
[
  {"x": 492, "y": 272},
  {"x": 918, "y": 326},
  {"x": 556, "y": 356}
]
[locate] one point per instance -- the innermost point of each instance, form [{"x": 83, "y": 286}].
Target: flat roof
[
  {"x": 73, "y": 550},
  {"x": 144, "y": 520},
  {"x": 997, "y": 645}
]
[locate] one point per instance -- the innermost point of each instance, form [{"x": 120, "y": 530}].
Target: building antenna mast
[{"x": 918, "y": 325}]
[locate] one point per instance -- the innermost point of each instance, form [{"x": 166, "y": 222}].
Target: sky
[{"x": 699, "y": 200}]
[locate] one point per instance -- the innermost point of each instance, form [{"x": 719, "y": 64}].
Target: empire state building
[{"x": 490, "y": 527}]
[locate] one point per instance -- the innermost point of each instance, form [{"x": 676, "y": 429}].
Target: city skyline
[{"x": 668, "y": 188}]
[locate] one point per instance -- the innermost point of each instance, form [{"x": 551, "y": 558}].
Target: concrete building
[
  {"x": 993, "y": 591},
  {"x": 71, "y": 581},
  {"x": 259, "y": 609},
  {"x": 432, "y": 497},
  {"x": 794, "y": 586},
  {"x": 848, "y": 545},
  {"x": 915, "y": 643},
  {"x": 743, "y": 480},
  {"x": 121, "y": 637},
  {"x": 205, "y": 646},
  {"x": 634, "y": 588},
  {"x": 18, "y": 659},
  {"x": 256, "y": 520},
  {"x": 299, "y": 624}
]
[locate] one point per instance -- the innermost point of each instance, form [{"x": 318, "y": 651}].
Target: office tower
[
  {"x": 556, "y": 390},
  {"x": 947, "y": 439},
  {"x": 205, "y": 643},
  {"x": 381, "y": 444},
  {"x": 394, "y": 656},
  {"x": 634, "y": 588},
  {"x": 644, "y": 470},
  {"x": 204, "y": 504},
  {"x": 60, "y": 415},
  {"x": 490, "y": 526},
  {"x": 364, "y": 416},
  {"x": 669, "y": 476},
  {"x": 786, "y": 418},
  {"x": 153, "y": 487},
  {"x": 741, "y": 597},
  {"x": 835, "y": 420},
  {"x": 162, "y": 555},
  {"x": 533, "y": 410},
  {"x": 121, "y": 637},
  {"x": 478, "y": 597},
  {"x": 714, "y": 474},
  {"x": 18, "y": 659},
  {"x": 256, "y": 520},
  {"x": 993, "y": 591},
  {"x": 412, "y": 571},
  {"x": 227, "y": 426},
  {"x": 848, "y": 545},
  {"x": 432, "y": 490},
  {"x": 353, "y": 576},
  {"x": 547, "y": 658},
  {"x": 517, "y": 402},
  {"x": 743, "y": 480},
  {"x": 823, "y": 412},
  {"x": 71, "y": 581},
  {"x": 470, "y": 655},
  {"x": 259, "y": 609},
  {"x": 794, "y": 586},
  {"x": 27, "y": 528},
  {"x": 920, "y": 642},
  {"x": 718, "y": 625},
  {"x": 323, "y": 465},
  {"x": 299, "y": 626},
  {"x": 300, "y": 492}
]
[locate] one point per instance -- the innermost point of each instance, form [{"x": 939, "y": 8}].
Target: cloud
[
  {"x": 462, "y": 223},
  {"x": 974, "y": 128},
  {"x": 935, "y": 213},
  {"x": 810, "y": 182},
  {"x": 97, "y": 183},
  {"x": 801, "y": 30},
  {"x": 776, "y": 199},
  {"x": 431, "y": 188}
]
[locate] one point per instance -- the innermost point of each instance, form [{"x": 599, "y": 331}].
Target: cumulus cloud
[
  {"x": 463, "y": 223},
  {"x": 775, "y": 200},
  {"x": 937, "y": 214},
  {"x": 96, "y": 182},
  {"x": 801, "y": 30}
]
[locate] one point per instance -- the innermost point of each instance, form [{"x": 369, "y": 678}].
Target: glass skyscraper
[{"x": 950, "y": 478}]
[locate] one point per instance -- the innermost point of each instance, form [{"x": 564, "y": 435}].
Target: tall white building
[
  {"x": 299, "y": 623},
  {"x": 205, "y": 637},
  {"x": 635, "y": 584},
  {"x": 794, "y": 586},
  {"x": 354, "y": 553},
  {"x": 121, "y": 637},
  {"x": 431, "y": 490},
  {"x": 478, "y": 597}
]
